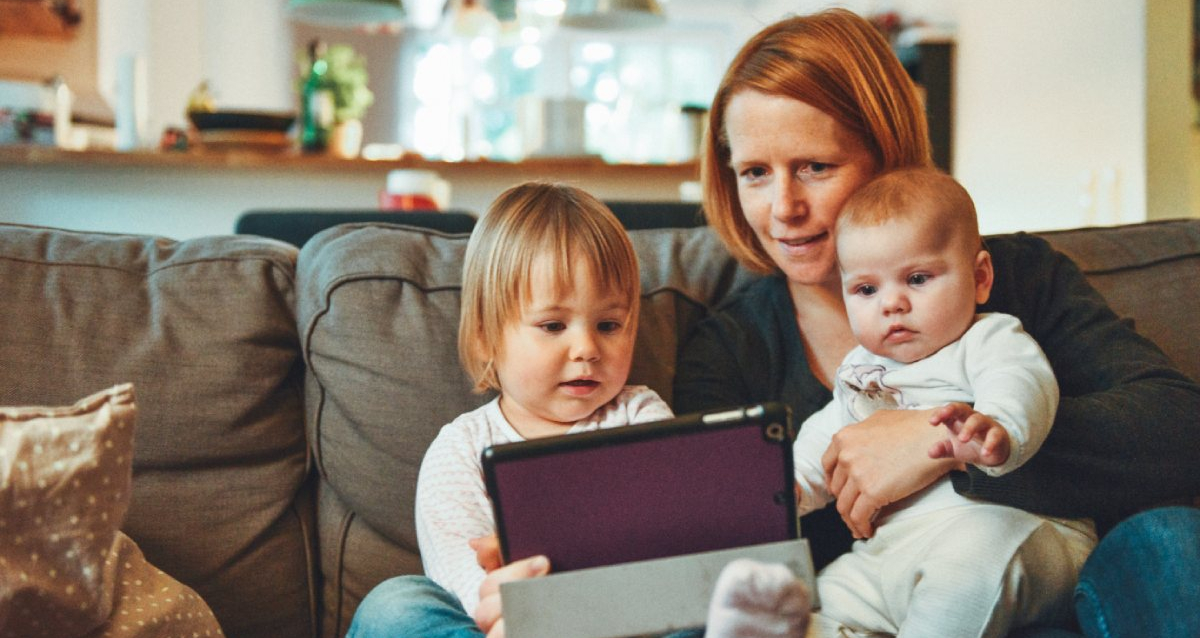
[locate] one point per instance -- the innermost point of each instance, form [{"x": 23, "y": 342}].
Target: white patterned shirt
[{"x": 452, "y": 506}]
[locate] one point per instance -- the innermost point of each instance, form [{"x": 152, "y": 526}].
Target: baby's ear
[{"x": 983, "y": 276}]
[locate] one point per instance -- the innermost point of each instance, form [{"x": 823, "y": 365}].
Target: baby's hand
[{"x": 975, "y": 437}]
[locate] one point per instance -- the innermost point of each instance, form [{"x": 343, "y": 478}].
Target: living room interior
[{"x": 251, "y": 466}]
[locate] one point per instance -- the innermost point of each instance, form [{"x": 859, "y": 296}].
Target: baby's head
[
  {"x": 912, "y": 262},
  {"x": 549, "y": 303}
]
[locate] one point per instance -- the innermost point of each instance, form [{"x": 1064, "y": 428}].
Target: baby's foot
[{"x": 757, "y": 600}]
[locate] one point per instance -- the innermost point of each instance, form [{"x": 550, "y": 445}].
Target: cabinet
[{"x": 930, "y": 64}]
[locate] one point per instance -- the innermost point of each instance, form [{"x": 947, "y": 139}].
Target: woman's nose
[{"x": 786, "y": 200}]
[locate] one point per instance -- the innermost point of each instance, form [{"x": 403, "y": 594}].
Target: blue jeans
[
  {"x": 1143, "y": 579},
  {"x": 407, "y": 606}
]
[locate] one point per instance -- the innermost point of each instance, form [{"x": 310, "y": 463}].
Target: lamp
[
  {"x": 612, "y": 14},
  {"x": 345, "y": 13}
]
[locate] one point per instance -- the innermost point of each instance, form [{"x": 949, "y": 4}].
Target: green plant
[{"x": 346, "y": 73}]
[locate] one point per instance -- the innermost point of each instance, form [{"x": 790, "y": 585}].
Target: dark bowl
[{"x": 241, "y": 120}]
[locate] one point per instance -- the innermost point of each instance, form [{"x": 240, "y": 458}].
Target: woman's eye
[
  {"x": 918, "y": 279},
  {"x": 609, "y": 326},
  {"x": 753, "y": 173},
  {"x": 819, "y": 167}
]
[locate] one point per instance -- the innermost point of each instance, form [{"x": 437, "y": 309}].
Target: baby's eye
[
  {"x": 916, "y": 279},
  {"x": 866, "y": 290},
  {"x": 553, "y": 326},
  {"x": 608, "y": 326}
]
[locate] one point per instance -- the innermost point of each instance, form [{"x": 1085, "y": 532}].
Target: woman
[{"x": 810, "y": 109}]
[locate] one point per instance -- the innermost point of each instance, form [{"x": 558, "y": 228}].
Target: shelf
[{"x": 294, "y": 162}]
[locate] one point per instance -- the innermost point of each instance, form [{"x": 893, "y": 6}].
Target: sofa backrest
[
  {"x": 378, "y": 311},
  {"x": 206, "y": 332},
  {"x": 1149, "y": 273}
]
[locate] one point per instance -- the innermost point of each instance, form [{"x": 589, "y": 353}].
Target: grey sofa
[{"x": 286, "y": 397}]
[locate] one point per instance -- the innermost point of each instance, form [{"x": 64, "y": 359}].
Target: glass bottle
[{"x": 316, "y": 102}]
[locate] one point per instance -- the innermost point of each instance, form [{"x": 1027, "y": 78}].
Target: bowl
[{"x": 241, "y": 120}]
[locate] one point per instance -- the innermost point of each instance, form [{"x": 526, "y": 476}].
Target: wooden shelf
[{"x": 295, "y": 162}]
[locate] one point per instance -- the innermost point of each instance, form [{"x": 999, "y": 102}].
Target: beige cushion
[{"x": 65, "y": 568}]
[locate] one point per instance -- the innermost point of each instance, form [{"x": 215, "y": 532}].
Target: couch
[{"x": 285, "y": 397}]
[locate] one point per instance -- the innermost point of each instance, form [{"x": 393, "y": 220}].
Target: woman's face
[{"x": 795, "y": 166}]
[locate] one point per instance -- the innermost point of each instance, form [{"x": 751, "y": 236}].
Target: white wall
[{"x": 1050, "y": 112}]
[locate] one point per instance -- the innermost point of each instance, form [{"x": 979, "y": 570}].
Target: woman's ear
[{"x": 983, "y": 276}]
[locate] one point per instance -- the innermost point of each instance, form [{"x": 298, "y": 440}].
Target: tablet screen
[{"x": 695, "y": 483}]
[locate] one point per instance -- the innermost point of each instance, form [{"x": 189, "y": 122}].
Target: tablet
[{"x": 695, "y": 483}]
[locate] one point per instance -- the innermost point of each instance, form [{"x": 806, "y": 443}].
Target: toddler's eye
[
  {"x": 866, "y": 290},
  {"x": 609, "y": 326},
  {"x": 917, "y": 279},
  {"x": 553, "y": 326}
]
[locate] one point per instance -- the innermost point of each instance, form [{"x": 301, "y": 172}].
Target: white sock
[{"x": 757, "y": 600}]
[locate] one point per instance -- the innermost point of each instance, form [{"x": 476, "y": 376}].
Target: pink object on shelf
[
  {"x": 414, "y": 190},
  {"x": 405, "y": 201}
]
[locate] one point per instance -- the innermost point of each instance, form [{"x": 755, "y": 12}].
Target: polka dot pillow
[{"x": 65, "y": 568}]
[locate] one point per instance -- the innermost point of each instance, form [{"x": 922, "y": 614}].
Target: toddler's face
[
  {"x": 566, "y": 355},
  {"x": 909, "y": 289}
]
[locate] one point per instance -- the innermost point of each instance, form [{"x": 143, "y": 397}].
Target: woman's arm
[
  {"x": 1126, "y": 429},
  {"x": 747, "y": 351}
]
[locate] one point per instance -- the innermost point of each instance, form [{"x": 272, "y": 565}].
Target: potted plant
[{"x": 345, "y": 77}]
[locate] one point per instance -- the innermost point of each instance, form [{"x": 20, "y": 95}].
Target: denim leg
[
  {"x": 408, "y": 606},
  {"x": 1143, "y": 579}
]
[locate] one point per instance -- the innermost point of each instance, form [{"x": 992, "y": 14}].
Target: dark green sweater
[{"x": 1127, "y": 426}]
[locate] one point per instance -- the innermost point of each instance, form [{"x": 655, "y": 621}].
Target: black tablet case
[{"x": 695, "y": 483}]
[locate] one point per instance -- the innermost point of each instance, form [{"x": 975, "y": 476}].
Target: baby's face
[{"x": 909, "y": 289}]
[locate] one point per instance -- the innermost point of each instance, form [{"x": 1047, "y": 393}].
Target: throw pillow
[{"x": 66, "y": 570}]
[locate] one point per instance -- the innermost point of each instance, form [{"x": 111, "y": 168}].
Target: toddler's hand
[
  {"x": 975, "y": 437},
  {"x": 489, "y": 614}
]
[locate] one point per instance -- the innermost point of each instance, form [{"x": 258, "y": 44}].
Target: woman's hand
[
  {"x": 488, "y": 614},
  {"x": 879, "y": 461}
]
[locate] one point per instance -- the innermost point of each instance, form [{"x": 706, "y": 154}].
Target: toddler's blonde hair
[{"x": 528, "y": 222}]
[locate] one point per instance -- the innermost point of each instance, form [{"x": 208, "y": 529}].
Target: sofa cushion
[
  {"x": 66, "y": 570},
  {"x": 378, "y": 311},
  {"x": 1149, "y": 273},
  {"x": 205, "y": 329}
]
